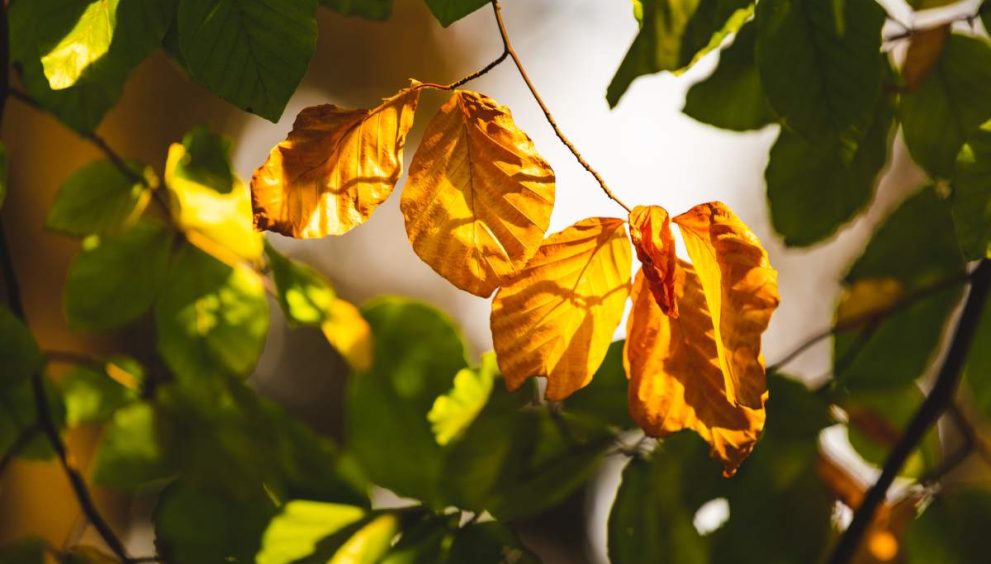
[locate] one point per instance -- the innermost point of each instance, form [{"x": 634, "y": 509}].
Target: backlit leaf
[
  {"x": 18, "y": 350},
  {"x": 348, "y": 332},
  {"x": 604, "y": 399},
  {"x": 970, "y": 203},
  {"x": 650, "y": 230},
  {"x": 334, "y": 169},
  {"x": 99, "y": 199},
  {"x": 479, "y": 197},
  {"x": 369, "y": 9},
  {"x": 450, "y": 11},
  {"x": 131, "y": 455},
  {"x": 741, "y": 293},
  {"x": 84, "y": 44},
  {"x": 867, "y": 298},
  {"x": 732, "y": 96},
  {"x": 252, "y": 53},
  {"x": 301, "y": 524},
  {"x": 556, "y": 318},
  {"x": 215, "y": 218},
  {"x": 820, "y": 79},
  {"x": 92, "y": 397},
  {"x": 370, "y": 543},
  {"x": 674, "y": 34},
  {"x": 949, "y": 105},
  {"x": 676, "y": 381},
  {"x": 454, "y": 411},
  {"x": 116, "y": 279},
  {"x": 211, "y": 318},
  {"x": 304, "y": 294}
]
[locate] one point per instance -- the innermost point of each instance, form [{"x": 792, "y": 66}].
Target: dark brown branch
[
  {"x": 461, "y": 82},
  {"x": 940, "y": 399},
  {"x": 508, "y": 46}
]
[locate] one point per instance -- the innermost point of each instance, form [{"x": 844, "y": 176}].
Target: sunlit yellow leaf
[
  {"x": 454, "y": 411},
  {"x": 867, "y": 298},
  {"x": 370, "y": 543},
  {"x": 741, "y": 292},
  {"x": 219, "y": 223},
  {"x": 675, "y": 377},
  {"x": 479, "y": 197},
  {"x": 556, "y": 318},
  {"x": 650, "y": 230},
  {"x": 348, "y": 332},
  {"x": 923, "y": 54},
  {"x": 334, "y": 169}
]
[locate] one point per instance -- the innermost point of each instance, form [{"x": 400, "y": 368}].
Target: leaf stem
[
  {"x": 940, "y": 399},
  {"x": 508, "y": 47},
  {"x": 461, "y": 82}
]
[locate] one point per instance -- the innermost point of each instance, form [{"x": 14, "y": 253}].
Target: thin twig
[
  {"x": 912, "y": 31},
  {"x": 940, "y": 399},
  {"x": 875, "y": 316},
  {"x": 461, "y": 82},
  {"x": 13, "y": 450},
  {"x": 508, "y": 46}
]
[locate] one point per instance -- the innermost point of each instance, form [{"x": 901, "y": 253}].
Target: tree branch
[
  {"x": 508, "y": 47},
  {"x": 940, "y": 399},
  {"x": 461, "y": 82}
]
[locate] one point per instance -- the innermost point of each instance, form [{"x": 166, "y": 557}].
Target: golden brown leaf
[
  {"x": 348, "y": 332},
  {"x": 675, "y": 377},
  {"x": 923, "y": 54},
  {"x": 479, "y": 197},
  {"x": 650, "y": 230},
  {"x": 334, "y": 169},
  {"x": 866, "y": 299},
  {"x": 741, "y": 292},
  {"x": 556, "y": 318}
]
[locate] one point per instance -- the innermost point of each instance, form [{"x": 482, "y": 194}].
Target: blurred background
[{"x": 646, "y": 149}]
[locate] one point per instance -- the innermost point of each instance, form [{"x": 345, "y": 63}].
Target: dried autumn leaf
[
  {"x": 479, "y": 197},
  {"x": 675, "y": 377},
  {"x": 650, "y": 230},
  {"x": 741, "y": 293},
  {"x": 923, "y": 54},
  {"x": 334, "y": 169},
  {"x": 556, "y": 318}
]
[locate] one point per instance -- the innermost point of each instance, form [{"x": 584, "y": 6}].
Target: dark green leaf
[
  {"x": 207, "y": 160},
  {"x": 300, "y": 525},
  {"x": 450, "y": 11},
  {"x": 368, "y": 9},
  {"x": 91, "y": 396},
  {"x": 62, "y": 37},
  {"x": 18, "y": 426},
  {"x": 732, "y": 97},
  {"x": 304, "y": 294},
  {"x": 819, "y": 79},
  {"x": 211, "y": 318},
  {"x": 87, "y": 555},
  {"x": 98, "y": 199},
  {"x": 131, "y": 455},
  {"x": 4, "y": 165},
  {"x": 605, "y": 398},
  {"x": 252, "y": 53},
  {"x": 952, "y": 529},
  {"x": 489, "y": 542},
  {"x": 199, "y": 525},
  {"x": 114, "y": 280},
  {"x": 977, "y": 371},
  {"x": 19, "y": 354},
  {"x": 673, "y": 35},
  {"x": 30, "y": 550},
  {"x": 814, "y": 187},
  {"x": 970, "y": 203},
  {"x": 953, "y": 101},
  {"x": 426, "y": 541},
  {"x": 916, "y": 246},
  {"x": 418, "y": 351}
]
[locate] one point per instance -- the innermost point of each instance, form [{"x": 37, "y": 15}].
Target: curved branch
[{"x": 940, "y": 399}]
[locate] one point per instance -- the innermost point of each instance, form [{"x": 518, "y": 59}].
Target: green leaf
[
  {"x": 131, "y": 455},
  {"x": 91, "y": 396},
  {"x": 17, "y": 421},
  {"x": 206, "y": 160},
  {"x": 454, "y": 411},
  {"x": 418, "y": 351},
  {"x": 379, "y": 10},
  {"x": 304, "y": 294},
  {"x": 426, "y": 541},
  {"x": 970, "y": 203},
  {"x": 211, "y": 318},
  {"x": 4, "y": 173},
  {"x": 29, "y": 550},
  {"x": 98, "y": 199},
  {"x": 953, "y": 528},
  {"x": 605, "y": 397},
  {"x": 813, "y": 187},
  {"x": 300, "y": 525},
  {"x": 252, "y": 53},
  {"x": 82, "y": 554},
  {"x": 673, "y": 35},
  {"x": 116, "y": 279},
  {"x": 820, "y": 80},
  {"x": 489, "y": 542},
  {"x": 954, "y": 100},
  {"x": 19, "y": 354},
  {"x": 370, "y": 543},
  {"x": 200, "y": 524},
  {"x": 732, "y": 97},
  {"x": 450, "y": 11},
  {"x": 74, "y": 56},
  {"x": 916, "y": 245}
]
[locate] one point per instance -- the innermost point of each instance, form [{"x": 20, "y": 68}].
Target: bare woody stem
[
  {"x": 508, "y": 47},
  {"x": 940, "y": 399},
  {"x": 462, "y": 81}
]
